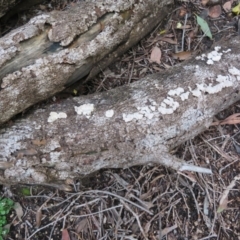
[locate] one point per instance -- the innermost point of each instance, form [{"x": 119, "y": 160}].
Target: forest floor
[{"x": 146, "y": 202}]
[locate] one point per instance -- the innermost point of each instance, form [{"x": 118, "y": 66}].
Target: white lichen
[
  {"x": 54, "y": 116},
  {"x": 85, "y": 109},
  {"x": 109, "y": 113}
]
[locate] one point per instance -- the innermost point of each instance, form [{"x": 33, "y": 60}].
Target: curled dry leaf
[
  {"x": 182, "y": 55},
  {"x": 215, "y": 11},
  {"x": 156, "y": 55}
]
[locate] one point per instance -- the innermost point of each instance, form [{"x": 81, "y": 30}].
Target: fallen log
[
  {"x": 135, "y": 124},
  {"x": 57, "y": 49}
]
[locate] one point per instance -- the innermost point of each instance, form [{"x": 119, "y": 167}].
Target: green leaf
[
  {"x": 236, "y": 9},
  {"x": 25, "y": 191},
  {"x": 204, "y": 26}
]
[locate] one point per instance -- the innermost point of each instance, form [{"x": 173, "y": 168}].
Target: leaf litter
[{"x": 150, "y": 202}]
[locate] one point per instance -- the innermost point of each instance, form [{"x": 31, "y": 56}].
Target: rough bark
[
  {"x": 56, "y": 49},
  {"x": 130, "y": 125}
]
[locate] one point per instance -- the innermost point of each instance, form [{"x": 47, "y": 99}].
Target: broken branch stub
[
  {"x": 56, "y": 49},
  {"x": 130, "y": 125}
]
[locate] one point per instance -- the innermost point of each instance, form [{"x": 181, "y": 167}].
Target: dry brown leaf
[
  {"x": 65, "y": 234},
  {"x": 215, "y": 11},
  {"x": 82, "y": 225},
  {"x": 224, "y": 199},
  {"x": 182, "y": 55},
  {"x": 38, "y": 217},
  {"x": 185, "y": 27},
  {"x": 26, "y": 152},
  {"x": 182, "y": 12},
  {"x": 233, "y": 119},
  {"x": 39, "y": 142},
  {"x": 227, "y": 6},
  {"x": 204, "y": 2},
  {"x": 18, "y": 209},
  {"x": 166, "y": 230},
  {"x": 156, "y": 55},
  {"x": 166, "y": 66},
  {"x": 168, "y": 40}
]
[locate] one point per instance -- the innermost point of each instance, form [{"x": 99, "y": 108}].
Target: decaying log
[
  {"x": 135, "y": 124},
  {"x": 56, "y": 49}
]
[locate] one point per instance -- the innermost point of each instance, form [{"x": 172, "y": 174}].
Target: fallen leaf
[
  {"x": 39, "y": 142},
  {"x": 82, "y": 225},
  {"x": 231, "y": 120},
  {"x": 182, "y": 12},
  {"x": 65, "y": 235},
  {"x": 169, "y": 40},
  {"x": 183, "y": 27},
  {"x": 215, "y": 11},
  {"x": 156, "y": 55},
  {"x": 38, "y": 217},
  {"x": 167, "y": 230},
  {"x": 204, "y": 2},
  {"x": 204, "y": 26},
  {"x": 18, "y": 209},
  {"x": 224, "y": 198},
  {"x": 182, "y": 55},
  {"x": 236, "y": 9},
  {"x": 227, "y": 6}
]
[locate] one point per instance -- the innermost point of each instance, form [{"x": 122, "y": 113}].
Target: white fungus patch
[
  {"x": 131, "y": 116},
  {"x": 234, "y": 71},
  {"x": 176, "y": 92},
  {"x": 212, "y": 57},
  {"x": 184, "y": 96},
  {"x": 223, "y": 82},
  {"x": 226, "y": 51},
  {"x": 109, "y": 113},
  {"x": 168, "y": 106},
  {"x": 85, "y": 109},
  {"x": 54, "y": 116}
]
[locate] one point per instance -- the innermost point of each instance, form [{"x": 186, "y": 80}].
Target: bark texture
[
  {"x": 130, "y": 125},
  {"x": 56, "y": 49}
]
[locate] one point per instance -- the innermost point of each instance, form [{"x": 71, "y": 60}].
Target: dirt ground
[{"x": 146, "y": 202}]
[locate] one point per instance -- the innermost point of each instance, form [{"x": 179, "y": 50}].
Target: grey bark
[
  {"x": 130, "y": 125},
  {"x": 54, "y": 50}
]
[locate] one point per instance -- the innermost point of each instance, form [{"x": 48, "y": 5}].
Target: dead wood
[
  {"x": 56, "y": 49},
  {"x": 130, "y": 125}
]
